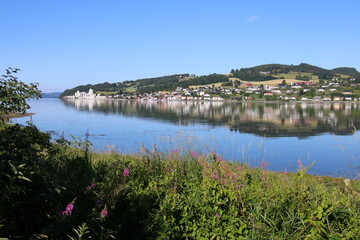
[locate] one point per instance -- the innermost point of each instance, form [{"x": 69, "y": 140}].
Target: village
[{"x": 334, "y": 90}]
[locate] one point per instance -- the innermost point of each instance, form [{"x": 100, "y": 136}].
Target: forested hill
[
  {"x": 257, "y": 73},
  {"x": 270, "y": 71},
  {"x": 147, "y": 85}
]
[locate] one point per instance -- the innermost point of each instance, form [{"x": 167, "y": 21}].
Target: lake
[{"x": 281, "y": 134}]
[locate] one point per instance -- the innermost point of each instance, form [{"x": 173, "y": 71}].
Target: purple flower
[
  {"x": 92, "y": 186},
  {"x": 217, "y": 215},
  {"x": 194, "y": 154},
  {"x": 126, "y": 172},
  {"x": 113, "y": 164},
  {"x": 68, "y": 209},
  {"x": 264, "y": 164},
  {"x": 219, "y": 159},
  {"x": 104, "y": 212},
  {"x": 216, "y": 174}
]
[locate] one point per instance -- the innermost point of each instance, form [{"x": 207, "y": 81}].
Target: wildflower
[
  {"x": 217, "y": 215},
  {"x": 263, "y": 165},
  {"x": 113, "y": 164},
  {"x": 126, "y": 172},
  {"x": 92, "y": 186},
  {"x": 216, "y": 174},
  {"x": 69, "y": 208},
  {"x": 239, "y": 168},
  {"x": 194, "y": 154},
  {"x": 285, "y": 172},
  {"x": 301, "y": 166},
  {"x": 104, "y": 212},
  {"x": 263, "y": 178},
  {"x": 219, "y": 159}
]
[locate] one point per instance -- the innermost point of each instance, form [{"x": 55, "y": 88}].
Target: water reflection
[{"x": 264, "y": 119}]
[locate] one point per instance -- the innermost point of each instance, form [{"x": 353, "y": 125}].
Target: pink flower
[
  {"x": 217, "y": 215},
  {"x": 69, "y": 208},
  {"x": 219, "y": 159},
  {"x": 216, "y": 174},
  {"x": 301, "y": 166},
  {"x": 285, "y": 172},
  {"x": 239, "y": 168},
  {"x": 264, "y": 165},
  {"x": 92, "y": 186},
  {"x": 126, "y": 172},
  {"x": 104, "y": 212},
  {"x": 194, "y": 154}
]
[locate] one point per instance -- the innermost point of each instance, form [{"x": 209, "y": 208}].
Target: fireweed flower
[
  {"x": 126, "y": 172},
  {"x": 216, "y": 174},
  {"x": 194, "y": 154},
  {"x": 301, "y": 166},
  {"x": 104, "y": 213},
  {"x": 239, "y": 168},
  {"x": 92, "y": 186},
  {"x": 263, "y": 165},
  {"x": 69, "y": 208}
]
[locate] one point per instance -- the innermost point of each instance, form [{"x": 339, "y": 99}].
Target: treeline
[
  {"x": 267, "y": 72},
  {"x": 250, "y": 74},
  {"x": 164, "y": 83},
  {"x": 204, "y": 80},
  {"x": 171, "y": 85}
]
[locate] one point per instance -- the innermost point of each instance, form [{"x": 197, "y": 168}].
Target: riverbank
[
  {"x": 16, "y": 115},
  {"x": 61, "y": 187}
]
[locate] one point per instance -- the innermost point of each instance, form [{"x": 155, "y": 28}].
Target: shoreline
[{"x": 17, "y": 115}]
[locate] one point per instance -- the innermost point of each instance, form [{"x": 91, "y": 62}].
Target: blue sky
[{"x": 62, "y": 44}]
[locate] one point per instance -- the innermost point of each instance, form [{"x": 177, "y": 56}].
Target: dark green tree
[{"x": 14, "y": 94}]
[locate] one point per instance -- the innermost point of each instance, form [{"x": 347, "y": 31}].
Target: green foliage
[
  {"x": 14, "y": 93},
  {"x": 303, "y": 77},
  {"x": 269, "y": 71},
  {"x": 153, "y": 195}
]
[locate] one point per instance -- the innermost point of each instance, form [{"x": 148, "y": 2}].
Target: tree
[{"x": 14, "y": 93}]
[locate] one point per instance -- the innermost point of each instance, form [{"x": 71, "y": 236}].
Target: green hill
[
  {"x": 276, "y": 71},
  {"x": 259, "y": 73}
]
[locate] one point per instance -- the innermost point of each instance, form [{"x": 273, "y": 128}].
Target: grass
[{"x": 180, "y": 194}]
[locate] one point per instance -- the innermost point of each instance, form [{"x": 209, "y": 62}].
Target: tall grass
[{"x": 65, "y": 191}]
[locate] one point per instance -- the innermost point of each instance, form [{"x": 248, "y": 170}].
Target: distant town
[{"x": 333, "y": 90}]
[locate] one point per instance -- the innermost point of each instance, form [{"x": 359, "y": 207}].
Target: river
[{"x": 281, "y": 134}]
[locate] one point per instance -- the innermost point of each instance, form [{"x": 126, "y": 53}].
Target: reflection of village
[{"x": 265, "y": 119}]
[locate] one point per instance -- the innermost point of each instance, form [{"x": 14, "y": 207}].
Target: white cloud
[{"x": 252, "y": 18}]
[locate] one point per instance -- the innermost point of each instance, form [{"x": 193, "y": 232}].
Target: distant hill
[
  {"x": 51, "y": 95},
  {"x": 347, "y": 71},
  {"x": 265, "y": 72},
  {"x": 272, "y": 71},
  {"x": 147, "y": 85}
]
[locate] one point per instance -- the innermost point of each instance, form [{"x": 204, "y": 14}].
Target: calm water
[{"x": 278, "y": 133}]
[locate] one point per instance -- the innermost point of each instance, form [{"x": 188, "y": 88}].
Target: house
[
  {"x": 338, "y": 98},
  {"x": 217, "y": 98}
]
